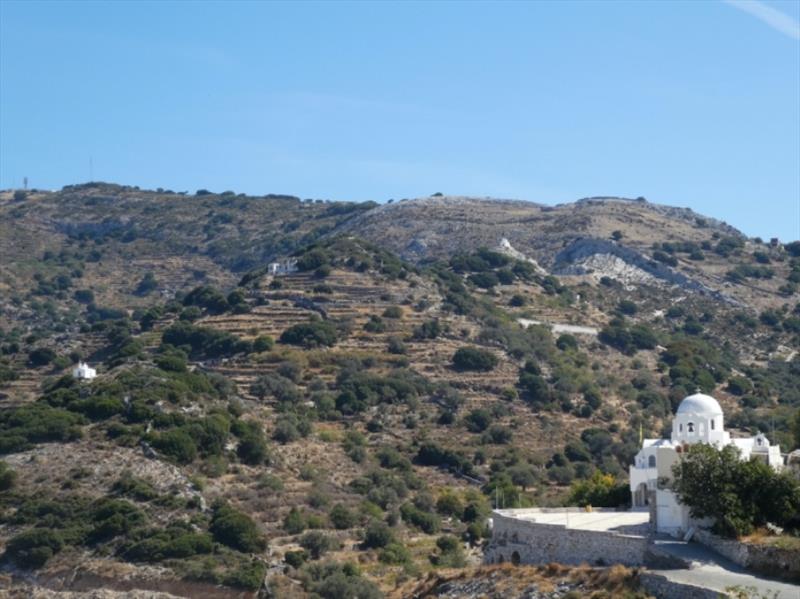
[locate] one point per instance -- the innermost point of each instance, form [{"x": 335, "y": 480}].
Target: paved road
[{"x": 711, "y": 570}]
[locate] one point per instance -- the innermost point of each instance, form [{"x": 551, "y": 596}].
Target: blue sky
[{"x": 686, "y": 103}]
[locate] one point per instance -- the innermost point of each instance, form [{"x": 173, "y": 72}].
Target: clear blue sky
[{"x": 687, "y": 103}]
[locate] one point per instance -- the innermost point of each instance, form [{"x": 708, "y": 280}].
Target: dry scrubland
[{"x": 359, "y": 453}]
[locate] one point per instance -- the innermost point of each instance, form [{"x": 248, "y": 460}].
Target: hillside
[{"x": 349, "y": 425}]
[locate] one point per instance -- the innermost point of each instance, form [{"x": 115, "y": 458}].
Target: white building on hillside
[
  {"x": 282, "y": 267},
  {"x": 84, "y": 372},
  {"x": 699, "y": 419}
]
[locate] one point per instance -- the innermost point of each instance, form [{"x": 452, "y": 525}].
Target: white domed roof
[{"x": 699, "y": 403}]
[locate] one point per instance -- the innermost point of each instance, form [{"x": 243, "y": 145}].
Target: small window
[
  {"x": 651, "y": 461},
  {"x": 690, "y": 427},
  {"x": 760, "y": 441},
  {"x": 680, "y": 427},
  {"x": 712, "y": 424}
]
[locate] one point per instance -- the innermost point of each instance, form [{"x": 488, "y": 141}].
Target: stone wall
[
  {"x": 527, "y": 542},
  {"x": 663, "y": 588},
  {"x": 764, "y": 559}
]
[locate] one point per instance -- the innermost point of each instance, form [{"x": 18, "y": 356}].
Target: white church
[
  {"x": 84, "y": 372},
  {"x": 699, "y": 419}
]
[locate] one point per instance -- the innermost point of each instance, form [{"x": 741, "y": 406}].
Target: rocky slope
[{"x": 348, "y": 425}]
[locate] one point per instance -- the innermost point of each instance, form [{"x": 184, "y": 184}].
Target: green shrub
[
  {"x": 248, "y": 575},
  {"x": 207, "y": 297},
  {"x": 7, "y": 477},
  {"x": 312, "y": 334},
  {"x": 236, "y": 530},
  {"x": 252, "y": 448},
  {"x": 473, "y": 358},
  {"x": 176, "y": 444},
  {"x": 295, "y": 558},
  {"x": 341, "y": 517},
  {"x": 263, "y": 343},
  {"x": 393, "y": 312},
  {"x": 37, "y": 423},
  {"x": 294, "y": 522},
  {"x": 32, "y": 548},
  {"x": 395, "y": 553},
  {"x": 169, "y": 543},
  {"x": 377, "y": 535},
  {"x": 425, "y": 521},
  {"x": 204, "y": 341},
  {"x": 318, "y": 543},
  {"x": 41, "y": 356}
]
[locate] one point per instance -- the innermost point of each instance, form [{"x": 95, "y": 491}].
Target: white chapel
[
  {"x": 699, "y": 419},
  {"x": 84, "y": 372}
]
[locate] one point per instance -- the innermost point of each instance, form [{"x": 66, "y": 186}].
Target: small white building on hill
[
  {"x": 699, "y": 419},
  {"x": 282, "y": 267},
  {"x": 84, "y": 372}
]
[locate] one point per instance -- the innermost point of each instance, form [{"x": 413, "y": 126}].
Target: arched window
[
  {"x": 651, "y": 461},
  {"x": 712, "y": 424},
  {"x": 690, "y": 427}
]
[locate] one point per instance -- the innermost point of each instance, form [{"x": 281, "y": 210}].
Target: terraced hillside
[{"x": 348, "y": 426}]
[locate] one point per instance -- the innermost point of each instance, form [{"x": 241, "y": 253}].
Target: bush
[
  {"x": 395, "y": 553},
  {"x": 378, "y": 534},
  {"x": 204, "y": 341},
  {"x": 32, "y": 548},
  {"x": 425, "y": 521},
  {"x": 473, "y": 358},
  {"x": 37, "y": 423},
  {"x": 147, "y": 284},
  {"x": 176, "y": 444},
  {"x": 263, "y": 343},
  {"x": 396, "y": 346},
  {"x": 451, "y": 552},
  {"x": 207, "y": 297},
  {"x": 484, "y": 280},
  {"x": 393, "y": 312},
  {"x": 7, "y": 477},
  {"x": 41, "y": 356},
  {"x": 83, "y": 296},
  {"x": 627, "y": 307},
  {"x": 248, "y": 576},
  {"x": 498, "y": 435},
  {"x": 601, "y": 490},
  {"x": 294, "y": 522},
  {"x": 342, "y": 518},
  {"x": 313, "y": 334},
  {"x": 317, "y": 543},
  {"x": 236, "y": 530},
  {"x": 252, "y": 448},
  {"x": 430, "y": 329},
  {"x": 478, "y": 420}
]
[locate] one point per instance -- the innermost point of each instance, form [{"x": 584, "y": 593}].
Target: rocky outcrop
[{"x": 600, "y": 257}]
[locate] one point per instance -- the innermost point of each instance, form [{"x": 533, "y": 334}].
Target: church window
[
  {"x": 712, "y": 424},
  {"x": 651, "y": 461}
]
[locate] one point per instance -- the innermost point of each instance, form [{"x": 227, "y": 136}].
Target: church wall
[{"x": 536, "y": 543}]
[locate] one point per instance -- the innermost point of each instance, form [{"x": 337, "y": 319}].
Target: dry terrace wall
[{"x": 523, "y": 541}]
